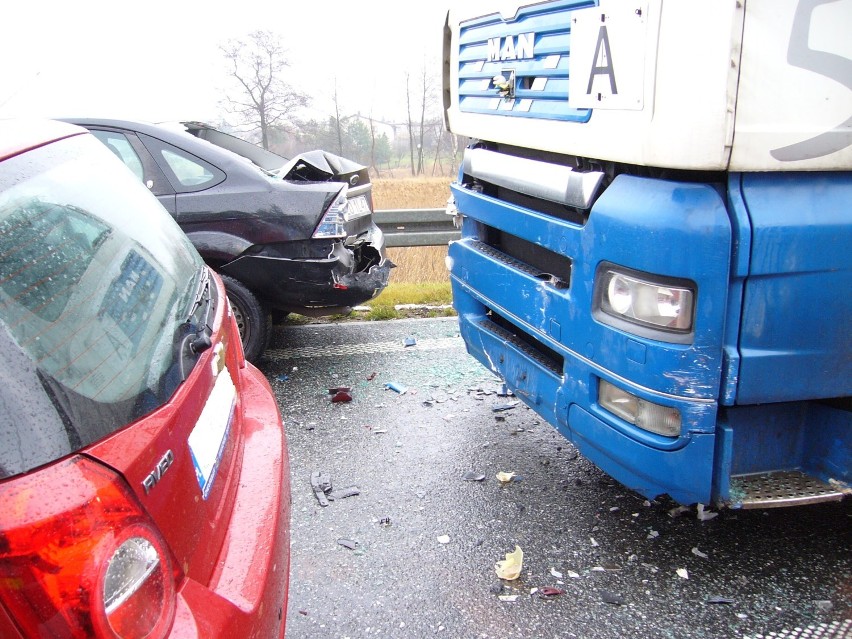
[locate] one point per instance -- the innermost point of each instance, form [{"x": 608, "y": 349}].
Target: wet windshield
[{"x": 96, "y": 285}]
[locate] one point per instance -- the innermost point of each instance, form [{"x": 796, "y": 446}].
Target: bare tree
[
  {"x": 261, "y": 99},
  {"x": 410, "y": 123}
]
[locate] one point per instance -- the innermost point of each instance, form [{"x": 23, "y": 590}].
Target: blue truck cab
[{"x": 656, "y": 253}]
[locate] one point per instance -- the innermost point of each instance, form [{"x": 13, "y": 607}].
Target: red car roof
[{"x": 18, "y": 136}]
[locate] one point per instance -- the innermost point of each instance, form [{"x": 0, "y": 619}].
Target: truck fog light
[{"x": 663, "y": 420}]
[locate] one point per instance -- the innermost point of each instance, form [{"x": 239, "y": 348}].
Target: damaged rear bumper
[{"x": 353, "y": 272}]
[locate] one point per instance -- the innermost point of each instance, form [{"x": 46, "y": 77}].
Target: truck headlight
[
  {"x": 655, "y": 418},
  {"x": 646, "y": 300}
]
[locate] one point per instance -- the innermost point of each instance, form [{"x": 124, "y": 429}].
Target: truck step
[{"x": 782, "y": 488}]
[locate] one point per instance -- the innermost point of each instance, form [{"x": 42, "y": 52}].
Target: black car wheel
[{"x": 253, "y": 320}]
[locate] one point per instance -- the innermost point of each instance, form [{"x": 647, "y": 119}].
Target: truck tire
[{"x": 253, "y": 319}]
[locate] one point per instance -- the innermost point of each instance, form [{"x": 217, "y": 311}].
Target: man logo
[{"x": 518, "y": 47}]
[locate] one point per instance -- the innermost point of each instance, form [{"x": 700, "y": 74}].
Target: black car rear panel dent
[{"x": 217, "y": 247}]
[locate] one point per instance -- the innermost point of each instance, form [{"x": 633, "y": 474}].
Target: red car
[{"x": 144, "y": 477}]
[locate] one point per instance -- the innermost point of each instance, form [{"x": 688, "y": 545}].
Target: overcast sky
[{"x": 159, "y": 60}]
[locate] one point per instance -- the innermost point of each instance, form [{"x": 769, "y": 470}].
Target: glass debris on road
[
  {"x": 612, "y": 598},
  {"x": 348, "y": 543}
]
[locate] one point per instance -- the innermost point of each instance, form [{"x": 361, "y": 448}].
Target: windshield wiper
[{"x": 201, "y": 342}]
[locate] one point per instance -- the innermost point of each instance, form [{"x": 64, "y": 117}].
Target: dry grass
[
  {"x": 415, "y": 264},
  {"x": 419, "y": 264},
  {"x": 411, "y": 193}
]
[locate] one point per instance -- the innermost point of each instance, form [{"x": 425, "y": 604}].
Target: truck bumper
[{"x": 562, "y": 388}]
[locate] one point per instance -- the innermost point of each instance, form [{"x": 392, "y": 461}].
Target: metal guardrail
[{"x": 416, "y": 227}]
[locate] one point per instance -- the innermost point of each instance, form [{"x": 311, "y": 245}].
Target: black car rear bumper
[{"x": 349, "y": 276}]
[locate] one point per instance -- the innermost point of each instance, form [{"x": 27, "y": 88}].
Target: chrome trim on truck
[{"x": 552, "y": 182}]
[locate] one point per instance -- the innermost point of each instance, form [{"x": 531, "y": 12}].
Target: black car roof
[{"x": 179, "y": 137}]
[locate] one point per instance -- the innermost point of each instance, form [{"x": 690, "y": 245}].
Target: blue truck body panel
[{"x": 796, "y": 341}]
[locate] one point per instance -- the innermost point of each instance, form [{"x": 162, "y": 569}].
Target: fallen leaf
[
  {"x": 505, "y": 478},
  {"x": 510, "y": 568},
  {"x": 550, "y": 592}
]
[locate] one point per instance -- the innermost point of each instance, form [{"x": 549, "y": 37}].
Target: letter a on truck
[{"x": 656, "y": 249}]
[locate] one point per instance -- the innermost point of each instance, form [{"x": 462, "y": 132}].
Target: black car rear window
[{"x": 96, "y": 284}]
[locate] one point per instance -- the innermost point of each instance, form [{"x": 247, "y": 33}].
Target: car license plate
[
  {"x": 210, "y": 434},
  {"x": 358, "y": 207}
]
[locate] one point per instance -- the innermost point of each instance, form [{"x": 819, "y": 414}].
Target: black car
[{"x": 285, "y": 235}]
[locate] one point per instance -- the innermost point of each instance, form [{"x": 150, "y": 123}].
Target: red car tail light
[{"x": 79, "y": 557}]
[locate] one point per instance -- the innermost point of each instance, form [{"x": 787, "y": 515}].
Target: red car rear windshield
[{"x": 98, "y": 287}]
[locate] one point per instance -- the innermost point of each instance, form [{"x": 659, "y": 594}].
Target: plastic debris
[
  {"x": 339, "y": 389},
  {"x": 282, "y": 377},
  {"x": 321, "y": 484},
  {"x": 348, "y": 543},
  {"x": 682, "y": 573},
  {"x": 698, "y": 553},
  {"x": 443, "y": 539},
  {"x": 505, "y": 392},
  {"x": 573, "y": 575},
  {"x": 510, "y": 568},
  {"x": 652, "y": 534},
  {"x": 508, "y": 598},
  {"x": 704, "y": 515},
  {"x": 472, "y": 475},
  {"x": 716, "y": 599},
  {"x": 594, "y": 543},
  {"x": 824, "y": 604},
  {"x": 343, "y": 493},
  {"x": 505, "y": 478},
  {"x": 556, "y": 573},
  {"x": 677, "y": 511},
  {"x": 409, "y": 341},
  {"x": 397, "y": 387},
  {"x": 499, "y": 408},
  {"x": 341, "y": 396},
  {"x": 611, "y": 598}
]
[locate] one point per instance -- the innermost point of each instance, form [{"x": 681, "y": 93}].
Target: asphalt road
[{"x": 413, "y": 554}]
